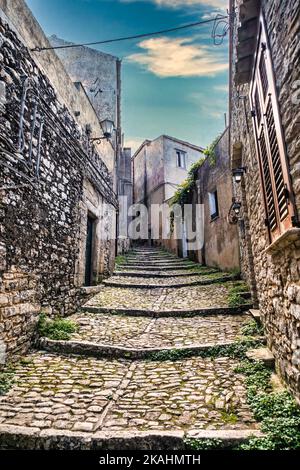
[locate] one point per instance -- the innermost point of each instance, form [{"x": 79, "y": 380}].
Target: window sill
[
  {"x": 212, "y": 219},
  {"x": 286, "y": 239}
]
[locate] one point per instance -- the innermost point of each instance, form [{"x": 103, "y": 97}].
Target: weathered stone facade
[
  {"x": 221, "y": 246},
  {"x": 273, "y": 270},
  {"x": 48, "y": 171}
]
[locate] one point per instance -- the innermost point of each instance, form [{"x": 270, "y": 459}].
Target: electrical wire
[{"x": 137, "y": 36}]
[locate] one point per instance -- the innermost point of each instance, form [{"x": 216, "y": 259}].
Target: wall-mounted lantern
[
  {"x": 234, "y": 212},
  {"x": 236, "y": 207},
  {"x": 238, "y": 173},
  {"x": 108, "y": 128}
]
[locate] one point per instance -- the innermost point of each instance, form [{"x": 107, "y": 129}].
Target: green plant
[
  {"x": 229, "y": 417},
  {"x": 203, "y": 444},
  {"x": 252, "y": 328},
  {"x": 210, "y": 151},
  {"x": 278, "y": 412},
  {"x": 234, "y": 350},
  {"x": 183, "y": 192},
  {"x": 57, "y": 329},
  {"x": 6, "y": 380},
  {"x": 235, "y": 294},
  {"x": 120, "y": 259}
]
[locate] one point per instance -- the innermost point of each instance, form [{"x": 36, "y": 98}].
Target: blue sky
[{"x": 172, "y": 84}]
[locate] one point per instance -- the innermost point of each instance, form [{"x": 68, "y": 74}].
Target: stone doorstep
[
  {"x": 19, "y": 437},
  {"x": 256, "y": 315},
  {"x": 100, "y": 350},
  {"x": 167, "y": 313},
  {"x": 203, "y": 282},
  {"x": 91, "y": 290},
  {"x": 263, "y": 355}
]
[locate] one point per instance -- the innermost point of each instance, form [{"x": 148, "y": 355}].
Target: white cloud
[
  {"x": 179, "y": 57},
  {"x": 222, "y": 4}
]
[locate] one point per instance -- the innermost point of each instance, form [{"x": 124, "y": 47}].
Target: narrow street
[{"x": 144, "y": 364}]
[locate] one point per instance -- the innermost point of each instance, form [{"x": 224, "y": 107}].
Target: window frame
[
  {"x": 180, "y": 157},
  {"x": 214, "y": 195},
  {"x": 268, "y": 132}
]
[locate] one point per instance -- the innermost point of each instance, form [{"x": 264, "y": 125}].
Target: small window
[
  {"x": 213, "y": 205},
  {"x": 180, "y": 159}
]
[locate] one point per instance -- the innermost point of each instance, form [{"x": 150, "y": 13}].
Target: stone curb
[
  {"x": 167, "y": 313},
  {"x": 98, "y": 350},
  {"x": 25, "y": 438},
  {"x": 160, "y": 275},
  {"x": 203, "y": 282}
]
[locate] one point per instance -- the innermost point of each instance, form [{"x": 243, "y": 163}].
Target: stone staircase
[{"x": 149, "y": 366}]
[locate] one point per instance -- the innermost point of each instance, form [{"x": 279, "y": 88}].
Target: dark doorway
[{"x": 89, "y": 251}]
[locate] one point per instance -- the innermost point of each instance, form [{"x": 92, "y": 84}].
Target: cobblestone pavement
[
  {"x": 184, "y": 298},
  {"x": 177, "y": 280},
  {"x": 141, "y": 332},
  {"x": 80, "y": 394},
  {"x": 74, "y": 393}
]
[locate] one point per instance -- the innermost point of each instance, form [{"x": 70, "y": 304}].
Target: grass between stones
[
  {"x": 236, "y": 295},
  {"x": 234, "y": 350},
  {"x": 56, "y": 329},
  {"x": 6, "y": 379}
]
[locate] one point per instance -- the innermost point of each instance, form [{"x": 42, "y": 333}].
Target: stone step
[
  {"x": 186, "y": 299},
  {"x": 64, "y": 402},
  {"x": 24, "y": 438},
  {"x": 140, "y": 337},
  {"x": 263, "y": 355},
  {"x": 168, "y": 275},
  {"x": 159, "y": 263},
  {"x": 96, "y": 350},
  {"x": 183, "y": 313},
  {"x": 140, "y": 283},
  {"x": 141, "y": 267}
]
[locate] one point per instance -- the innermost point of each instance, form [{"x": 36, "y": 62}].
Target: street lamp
[
  {"x": 238, "y": 173},
  {"x": 236, "y": 207},
  {"x": 108, "y": 127}
]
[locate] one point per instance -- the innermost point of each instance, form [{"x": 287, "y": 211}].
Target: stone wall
[
  {"x": 273, "y": 272},
  {"x": 45, "y": 158}
]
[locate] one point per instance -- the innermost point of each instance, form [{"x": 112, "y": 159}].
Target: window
[
  {"x": 270, "y": 144},
  {"x": 180, "y": 159},
  {"x": 213, "y": 205}
]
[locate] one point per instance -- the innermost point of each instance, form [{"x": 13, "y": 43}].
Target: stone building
[
  {"x": 58, "y": 202},
  {"x": 100, "y": 76},
  {"x": 214, "y": 190},
  {"x": 265, "y": 157},
  {"x": 159, "y": 166}
]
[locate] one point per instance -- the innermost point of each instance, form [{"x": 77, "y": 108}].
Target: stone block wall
[
  {"x": 45, "y": 158},
  {"x": 273, "y": 274}
]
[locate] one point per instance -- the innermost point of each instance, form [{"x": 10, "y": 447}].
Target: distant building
[
  {"x": 159, "y": 167},
  {"x": 213, "y": 189}
]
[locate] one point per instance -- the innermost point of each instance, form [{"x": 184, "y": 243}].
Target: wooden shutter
[{"x": 270, "y": 142}]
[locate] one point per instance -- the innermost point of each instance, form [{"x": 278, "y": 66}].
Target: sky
[{"x": 175, "y": 84}]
